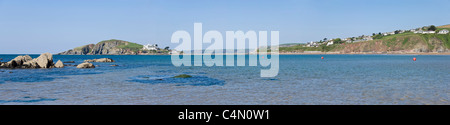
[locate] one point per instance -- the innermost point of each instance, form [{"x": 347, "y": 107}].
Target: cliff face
[
  {"x": 83, "y": 50},
  {"x": 107, "y": 47}
]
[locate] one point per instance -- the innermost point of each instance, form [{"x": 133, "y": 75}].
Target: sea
[{"x": 302, "y": 80}]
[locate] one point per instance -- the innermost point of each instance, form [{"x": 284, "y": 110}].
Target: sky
[{"x": 38, "y": 26}]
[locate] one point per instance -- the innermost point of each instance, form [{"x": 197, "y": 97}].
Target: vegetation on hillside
[
  {"x": 131, "y": 46},
  {"x": 396, "y": 42}
]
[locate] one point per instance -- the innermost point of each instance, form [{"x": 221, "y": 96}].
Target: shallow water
[{"x": 302, "y": 79}]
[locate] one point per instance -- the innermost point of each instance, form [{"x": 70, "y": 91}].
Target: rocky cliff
[{"x": 107, "y": 47}]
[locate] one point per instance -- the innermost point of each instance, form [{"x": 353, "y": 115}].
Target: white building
[
  {"x": 330, "y": 43},
  {"x": 445, "y": 31},
  {"x": 150, "y": 47},
  {"x": 428, "y": 32},
  {"x": 424, "y": 32},
  {"x": 367, "y": 38}
]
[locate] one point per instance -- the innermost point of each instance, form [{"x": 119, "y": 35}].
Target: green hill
[
  {"x": 106, "y": 47},
  {"x": 404, "y": 42}
]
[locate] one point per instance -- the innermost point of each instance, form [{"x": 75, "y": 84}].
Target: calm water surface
[{"x": 302, "y": 79}]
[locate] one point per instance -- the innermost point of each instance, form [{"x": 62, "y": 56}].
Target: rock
[
  {"x": 114, "y": 65},
  {"x": 100, "y": 60},
  {"x": 10, "y": 72},
  {"x": 69, "y": 62},
  {"x": 183, "y": 76},
  {"x": 59, "y": 64},
  {"x": 85, "y": 65},
  {"x": 31, "y": 64},
  {"x": 45, "y": 60},
  {"x": 17, "y": 62}
]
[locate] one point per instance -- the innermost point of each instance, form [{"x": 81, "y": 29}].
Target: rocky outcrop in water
[
  {"x": 59, "y": 64},
  {"x": 85, "y": 65},
  {"x": 43, "y": 61},
  {"x": 107, "y": 47},
  {"x": 100, "y": 60}
]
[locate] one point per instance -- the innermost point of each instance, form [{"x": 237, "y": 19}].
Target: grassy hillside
[
  {"x": 444, "y": 26},
  {"x": 124, "y": 45},
  {"x": 408, "y": 42},
  {"x": 131, "y": 46}
]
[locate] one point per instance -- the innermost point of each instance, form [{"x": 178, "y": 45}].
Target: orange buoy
[
  {"x": 322, "y": 57},
  {"x": 414, "y": 59}
]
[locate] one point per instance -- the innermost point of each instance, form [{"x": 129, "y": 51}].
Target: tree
[
  {"x": 338, "y": 41},
  {"x": 167, "y": 48},
  {"x": 324, "y": 39},
  {"x": 432, "y": 28}
]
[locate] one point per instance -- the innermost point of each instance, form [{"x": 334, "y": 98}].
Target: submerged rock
[
  {"x": 183, "y": 76},
  {"x": 85, "y": 65},
  {"x": 59, "y": 64},
  {"x": 100, "y": 60},
  {"x": 69, "y": 62},
  {"x": 114, "y": 65}
]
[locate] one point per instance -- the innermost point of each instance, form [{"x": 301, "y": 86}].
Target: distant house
[
  {"x": 388, "y": 33},
  {"x": 428, "y": 32},
  {"x": 445, "y": 31},
  {"x": 150, "y": 47},
  {"x": 420, "y": 31},
  {"x": 367, "y": 38},
  {"x": 330, "y": 43}
]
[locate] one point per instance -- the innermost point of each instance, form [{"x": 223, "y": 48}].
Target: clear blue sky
[{"x": 37, "y": 26}]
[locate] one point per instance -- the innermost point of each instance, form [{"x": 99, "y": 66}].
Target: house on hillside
[
  {"x": 420, "y": 31},
  {"x": 367, "y": 38},
  {"x": 388, "y": 33},
  {"x": 330, "y": 43},
  {"x": 445, "y": 31},
  {"x": 150, "y": 47}
]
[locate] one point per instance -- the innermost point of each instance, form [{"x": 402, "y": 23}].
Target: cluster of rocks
[
  {"x": 46, "y": 61},
  {"x": 43, "y": 61},
  {"x": 100, "y": 60}
]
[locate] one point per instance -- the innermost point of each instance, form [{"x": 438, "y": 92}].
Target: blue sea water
[{"x": 302, "y": 79}]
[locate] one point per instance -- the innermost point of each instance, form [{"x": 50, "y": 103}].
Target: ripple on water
[{"x": 168, "y": 79}]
